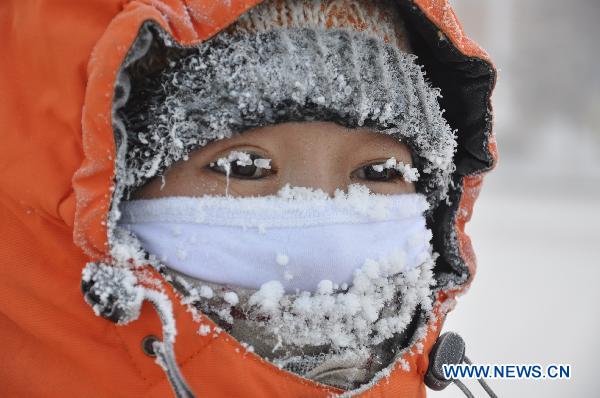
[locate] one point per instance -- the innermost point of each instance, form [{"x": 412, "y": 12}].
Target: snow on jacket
[{"x": 57, "y": 165}]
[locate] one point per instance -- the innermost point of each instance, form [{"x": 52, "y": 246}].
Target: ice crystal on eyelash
[
  {"x": 263, "y": 163},
  {"x": 409, "y": 173},
  {"x": 241, "y": 159}
]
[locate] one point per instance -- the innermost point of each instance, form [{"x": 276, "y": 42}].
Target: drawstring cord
[
  {"x": 165, "y": 354},
  {"x": 114, "y": 293},
  {"x": 481, "y": 381},
  {"x": 165, "y": 357},
  {"x": 450, "y": 349},
  {"x": 464, "y": 388}
]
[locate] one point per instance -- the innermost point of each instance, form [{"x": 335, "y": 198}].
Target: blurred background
[{"x": 536, "y": 226}]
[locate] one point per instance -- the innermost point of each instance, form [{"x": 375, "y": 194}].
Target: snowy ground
[{"x": 535, "y": 296}]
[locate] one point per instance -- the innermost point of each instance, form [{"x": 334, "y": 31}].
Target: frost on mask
[
  {"x": 361, "y": 324},
  {"x": 247, "y": 241}
]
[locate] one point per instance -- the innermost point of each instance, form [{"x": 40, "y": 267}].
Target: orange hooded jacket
[{"x": 57, "y": 83}]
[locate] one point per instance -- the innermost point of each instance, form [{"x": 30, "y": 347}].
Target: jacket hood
[
  {"x": 452, "y": 62},
  {"x": 58, "y": 147}
]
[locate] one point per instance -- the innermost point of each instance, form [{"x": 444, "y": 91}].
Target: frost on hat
[
  {"x": 255, "y": 75},
  {"x": 376, "y": 18}
]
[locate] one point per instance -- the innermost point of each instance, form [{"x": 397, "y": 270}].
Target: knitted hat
[
  {"x": 377, "y": 18},
  {"x": 284, "y": 61}
]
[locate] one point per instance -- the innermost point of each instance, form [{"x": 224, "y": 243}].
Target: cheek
[
  {"x": 206, "y": 186},
  {"x": 199, "y": 183},
  {"x": 259, "y": 187}
]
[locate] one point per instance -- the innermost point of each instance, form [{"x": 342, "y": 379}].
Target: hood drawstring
[
  {"x": 165, "y": 355},
  {"x": 450, "y": 350},
  {"x": 114, "y": 294},
  {"x": 481, "y": 381}
]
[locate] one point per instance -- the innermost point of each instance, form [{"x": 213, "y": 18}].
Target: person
[{"x": 271, "y": 201}]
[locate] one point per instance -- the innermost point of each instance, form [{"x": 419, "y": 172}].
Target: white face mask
[{"x": 299, "y": 237}]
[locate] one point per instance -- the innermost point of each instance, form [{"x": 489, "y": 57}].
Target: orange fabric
[{"x": 56, "y": 86}]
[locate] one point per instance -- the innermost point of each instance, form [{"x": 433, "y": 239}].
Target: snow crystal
[
  {"x": 248, "y": 347},
  {"x": 409, "y": 173},
  {"x": 262, "y": 163},
  {"x": 125, "y": 247},
  {"x": 285, "y": 208},
  {"x": 325, "y": 287},
  {"x": 298, "y": 193},
  {"x": 113, "y": 290},
  {"x": 267, "y": 298},
  {"x": 164, "y": 307},
  {"x": 241, "y": 158},
  {"x": 206, "y": 292},
  {"x": 231, "y": 298},
  {"x": 404, "y": 365},
  {"x": 282, "y": 259},
  {"x": 204, "y": 330},
  {"x": 358, "y": 317},
  {"x": 288, "y": 276}
]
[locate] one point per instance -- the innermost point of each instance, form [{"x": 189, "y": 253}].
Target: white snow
[
  {"x": 241, "y": 158},
  {"x": 267, "y": 298},
  {"x": 282, "y": 259},
  {"x": 204, "y": 330},
  {"x": 288, "y": 205},
  {"x": 231, "y": 298},
  {"x": 409, "y": 173},
  {"x": 262, "y": 163},
  {"x": 206, "y": 292},
  {"x": 356, "y": 317},
  {"x": 288, "y": 276},
  {"x": 325, "y": 287},
  {"x": 164, "y": 308}
]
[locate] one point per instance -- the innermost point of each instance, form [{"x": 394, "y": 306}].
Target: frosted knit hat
[
  {"x": 376, "y": 18},
  {"x": 332, "y": 60}
]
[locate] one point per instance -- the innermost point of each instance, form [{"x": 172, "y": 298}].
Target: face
[{"x": 319, "y": 155}]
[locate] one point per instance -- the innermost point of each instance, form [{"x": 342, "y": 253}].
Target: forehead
[{"x": 324, "y": 136}]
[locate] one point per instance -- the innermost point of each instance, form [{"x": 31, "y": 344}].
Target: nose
[{"x": 314, "y": 168}]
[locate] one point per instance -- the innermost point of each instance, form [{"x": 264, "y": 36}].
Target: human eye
[
  {"x": 376, "y": 172},
  {"x": 242, "y": 165},
  {"x": 386, "y": 171}
]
